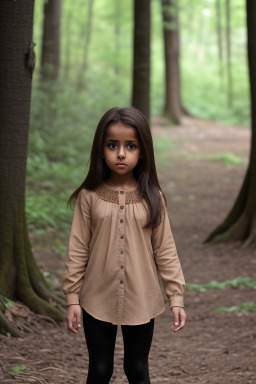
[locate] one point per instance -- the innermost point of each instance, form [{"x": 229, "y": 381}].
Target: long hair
[{"x": 145, "y": 170}]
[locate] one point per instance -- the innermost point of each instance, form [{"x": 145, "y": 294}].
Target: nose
[{"x": 121, "y": 153}]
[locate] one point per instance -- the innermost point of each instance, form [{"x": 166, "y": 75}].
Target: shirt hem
[{"x": 98, "y": 317}]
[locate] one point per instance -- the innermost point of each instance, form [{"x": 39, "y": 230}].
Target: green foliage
[
  {"x": 108, "y": 77},
  {"x": 5, "y": 301},
  {"x": 21, "y": 369},
  {"x": 239, "y": 282},
  {"x": 226, "y": 158},
  {"x": 204, "y": 75},
  {"x": 246, "y": 307}
]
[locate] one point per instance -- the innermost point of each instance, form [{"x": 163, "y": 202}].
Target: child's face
[{"x": 121, "y": 148}]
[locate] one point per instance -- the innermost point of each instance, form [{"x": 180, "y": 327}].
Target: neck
[{"x": 122, "y": 182}]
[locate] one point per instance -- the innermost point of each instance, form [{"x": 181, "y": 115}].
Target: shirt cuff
[
  {"x": 177, "y": 301},
  {"x": 72, "y": 298}
]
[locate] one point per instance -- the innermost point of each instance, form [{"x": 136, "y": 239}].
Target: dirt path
[{"x": 213, "y": 348}]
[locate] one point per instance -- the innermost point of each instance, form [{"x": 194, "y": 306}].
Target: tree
[
  {"x": 172, "y": 108},
  {"x": 219, "y": 37},
  {"x": 20, "y": 278},
  {"x": 228, "y": 46},
  {"x": 86, "y": 32},
  {"x": 240, "y": 224},
  {"x": 141, "y": 57},
  {"x": 50, "y": 60}
]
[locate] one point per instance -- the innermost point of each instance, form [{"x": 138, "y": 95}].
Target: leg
[
  {"x": 100, "y": 338},
  {"x": 137, "y": 343}
]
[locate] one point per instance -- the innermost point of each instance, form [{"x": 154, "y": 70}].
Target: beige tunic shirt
[{"x": 112, "y": 261}]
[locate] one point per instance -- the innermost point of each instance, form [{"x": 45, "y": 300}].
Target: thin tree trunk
[
  {"x": 50, "y": 60},
  {"x": 68, "y": 43},
  {"x": 173, "y": 109},
  {"x": 141, "y": 57},
  {"x": 88, "y": 33},
  {"x": 219, "y": 37},
  {"x": 117, "y": 35},
  {"x": 228, "y": 44},
  {"x": 20, "y": 277},
  {"x": 240, "y": 224}
]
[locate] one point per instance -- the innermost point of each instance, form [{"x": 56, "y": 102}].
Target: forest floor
[{"x": 213, "y": 347}]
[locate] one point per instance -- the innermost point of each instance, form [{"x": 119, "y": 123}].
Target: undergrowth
[
  {"x": 246, "y": 307},
  {"x": 239, "y": 282}
]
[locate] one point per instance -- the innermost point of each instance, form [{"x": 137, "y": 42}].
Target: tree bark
[
  {"x": 20, "y": 277},
  {"x": 50, "y": 61},
  {"x": 240, "y": 224},
  {"x": 141, "y": 57},
  {"x": 68, "y": 43},
  {"x": 172, "y": 108},
  {"x": 219, "y": 37},
  {"x": 228, "y": 45},
  {"x": 88, "y": 33},
  {"x": 117, "y": 36}
]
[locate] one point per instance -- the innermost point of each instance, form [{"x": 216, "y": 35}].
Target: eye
[
  {"x": 112, "y": 146},
  {"x": 131, "y": 146}
]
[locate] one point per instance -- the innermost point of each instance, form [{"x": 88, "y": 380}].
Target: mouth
[{"x": 121, "y": 164}]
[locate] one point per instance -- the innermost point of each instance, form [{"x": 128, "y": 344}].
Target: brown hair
[{"x": 145, "y": 170}]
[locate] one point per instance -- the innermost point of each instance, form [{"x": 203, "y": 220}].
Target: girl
[{"x": 120, "y": 238}]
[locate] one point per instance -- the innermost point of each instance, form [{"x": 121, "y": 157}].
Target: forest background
[
  {"x": 202, "y": 163},
  {"x": 95, "y": 74}
]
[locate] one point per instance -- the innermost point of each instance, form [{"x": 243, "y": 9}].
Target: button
[
  {"x": 121, "y": 252},
  {"x": 122, "y": 237},
  {"x": 122, "y": 207},
  {"x": 121, "y": 282},
  {"x": 122, "y": 267},
  {"x": 121, "y": 192},
  {"x": 121, "y": 221}
]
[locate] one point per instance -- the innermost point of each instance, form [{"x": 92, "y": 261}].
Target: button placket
[{"x": 121, "y": 254}]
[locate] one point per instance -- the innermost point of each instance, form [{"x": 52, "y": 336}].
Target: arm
[
  {"x": 169, "y": 268},
  {"x": 78, "y": 250}
]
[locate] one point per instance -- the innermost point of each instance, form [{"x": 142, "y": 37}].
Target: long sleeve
[
  {"x": 78, "y": 250},
  {"x": 167, "y": 261}
]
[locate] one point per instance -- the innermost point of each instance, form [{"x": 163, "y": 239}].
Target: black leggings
[{"x": 100, "y": 339}]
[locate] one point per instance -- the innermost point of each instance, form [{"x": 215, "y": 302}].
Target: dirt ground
[{"x": 212, "y": 348}]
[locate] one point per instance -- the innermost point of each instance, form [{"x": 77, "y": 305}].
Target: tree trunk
[
  {"x": 20, "y": 277},
  {"x": 172, "y": 109},
  {"x": 141, "y": 57},
  {"x": 87, "y": 31},
  {"x": 68, "y": 42},
  {"x": 219, "y": 37},
  {"x": 228, "y": 44},
  {"x": 117, "y": 36},
  {"x": 240, "y": 223},
  {"x": 50, "y": 61}
]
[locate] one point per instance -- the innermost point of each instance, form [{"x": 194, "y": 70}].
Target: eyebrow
[{"x": 127, "y": 141}]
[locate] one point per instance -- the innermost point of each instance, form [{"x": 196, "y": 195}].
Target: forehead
[{"x": 119, "y": 131}]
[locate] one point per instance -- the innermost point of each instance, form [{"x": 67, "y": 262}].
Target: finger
[
  {"x": 70, "y": 326},
  {"x": 182, "y": 324},
  {"x": 78, "y": 319},
  {"x": 176, "y": 319}
]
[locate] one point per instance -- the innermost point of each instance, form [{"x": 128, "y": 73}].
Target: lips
[{"x": 120, "y": 164}]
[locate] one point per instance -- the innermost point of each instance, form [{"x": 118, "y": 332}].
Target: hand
[
  {"x": 179, "y": 318},
  {"x": 74, "y": 317}
]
